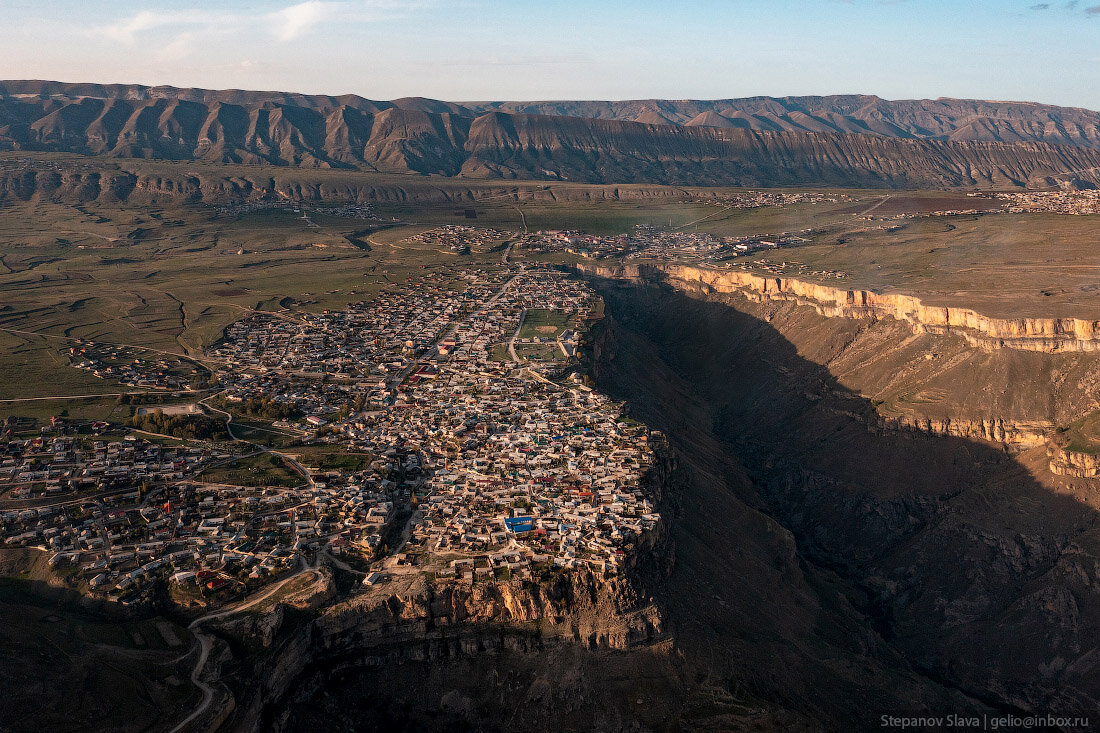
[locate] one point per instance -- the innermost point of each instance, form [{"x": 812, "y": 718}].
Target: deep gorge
[
  {"x": 946, "y": 550},
  {"x": 820, "y": 568}
]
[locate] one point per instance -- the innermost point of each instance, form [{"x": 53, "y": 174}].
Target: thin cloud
[
  {"x": 286, "y": 24},
  {"x": 179, "y": 49},
  {"x": 1040, "y": 6},
  {"x": 128, "y": 29},
  {"x": 297, "y": 19},
  {"x": 1094, "y": 10}
]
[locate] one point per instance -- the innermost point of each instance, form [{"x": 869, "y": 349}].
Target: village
[
  {"x": 1077, "y": 203},
  {"x": 462, "y": 441},
  {"x": 457, "y": 238},
  {"x": 650, "y": 242},
  {"x": 756, "y": 198},
  {"x": 127, "y": 365}
]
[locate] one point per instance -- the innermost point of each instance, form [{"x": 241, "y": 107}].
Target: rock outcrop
[
  {"x": 414, "y": 621},
  {"x": 1020, "y": 435},
  {"x": 1065, "y": 462},
  {"x": 425, "y": 617}
]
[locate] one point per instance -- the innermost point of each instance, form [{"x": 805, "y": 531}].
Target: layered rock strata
[{"x": 1048, "y": 335}]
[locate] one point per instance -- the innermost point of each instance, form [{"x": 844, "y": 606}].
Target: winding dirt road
[{"x": 206, "y": 640}]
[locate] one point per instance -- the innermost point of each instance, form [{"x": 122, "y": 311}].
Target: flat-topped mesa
[{"x": 1047, "y": 335}]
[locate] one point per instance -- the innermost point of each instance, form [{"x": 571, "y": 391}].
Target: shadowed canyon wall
[{"x": 970, "y": 565}]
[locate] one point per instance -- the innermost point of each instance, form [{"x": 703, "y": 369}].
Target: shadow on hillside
[{"x": 910, "y": 551}]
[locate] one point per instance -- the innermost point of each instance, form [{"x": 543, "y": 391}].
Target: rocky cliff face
[
  {"x": 1048, "y": 335},
  {"x": 1018, "y": 434},
  {"x": 1073, "y": 463},
  {"x": 434, "y": 627},
  {"x": 942, "y": 371},
  {"x": 575, "y": 608}
]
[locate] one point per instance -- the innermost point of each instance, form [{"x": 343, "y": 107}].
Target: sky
[{"x": 480, "y": 50}]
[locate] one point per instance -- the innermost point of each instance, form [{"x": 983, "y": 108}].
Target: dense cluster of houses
[
  {"x": 576, "y": 242},
  {"x": 345, "y": 211},
  {"x": 62, "y": 465},
  {"x": 321, "y": 363},
  {"x": 504, "y": 462},
  {"x": 653, "y": 242},
  {"x": 121, "y": 514},
  {"x": 530, "y": 469},
  {"x": 469, "y": 454},
  {"x": 457, "y": 238},
  {"x": 756, "y": 199},
  {"x": 199, "y": 538},
  {"x": 376, "y": 338},
  {"x": 90, "y": 503},
  {"x": 1053, "y": 202}
]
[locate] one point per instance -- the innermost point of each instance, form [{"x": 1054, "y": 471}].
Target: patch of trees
[{"x": 197, "y": 427}]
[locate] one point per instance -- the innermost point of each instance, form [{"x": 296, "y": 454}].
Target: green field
[
  {"x": 330, "y": 458},
  {"x": 261, "y": 470},
  {"x": 1082, "y": 436},
  {"x": 544, "y": 323},
  {"x": 540, "y": 352}
]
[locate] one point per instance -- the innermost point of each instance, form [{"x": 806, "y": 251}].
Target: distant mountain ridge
[
  {"x": 941, "y": 119},
  {"x": 844, "y": 140},
  {"x": 937, "y": 119}
]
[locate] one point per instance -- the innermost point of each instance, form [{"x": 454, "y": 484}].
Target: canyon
[
  {"x": 800, "y": 536},
  {"x": 974, "y": 553}
]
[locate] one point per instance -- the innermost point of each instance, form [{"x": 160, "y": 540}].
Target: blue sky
[{"x": 570, "y": 49}]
